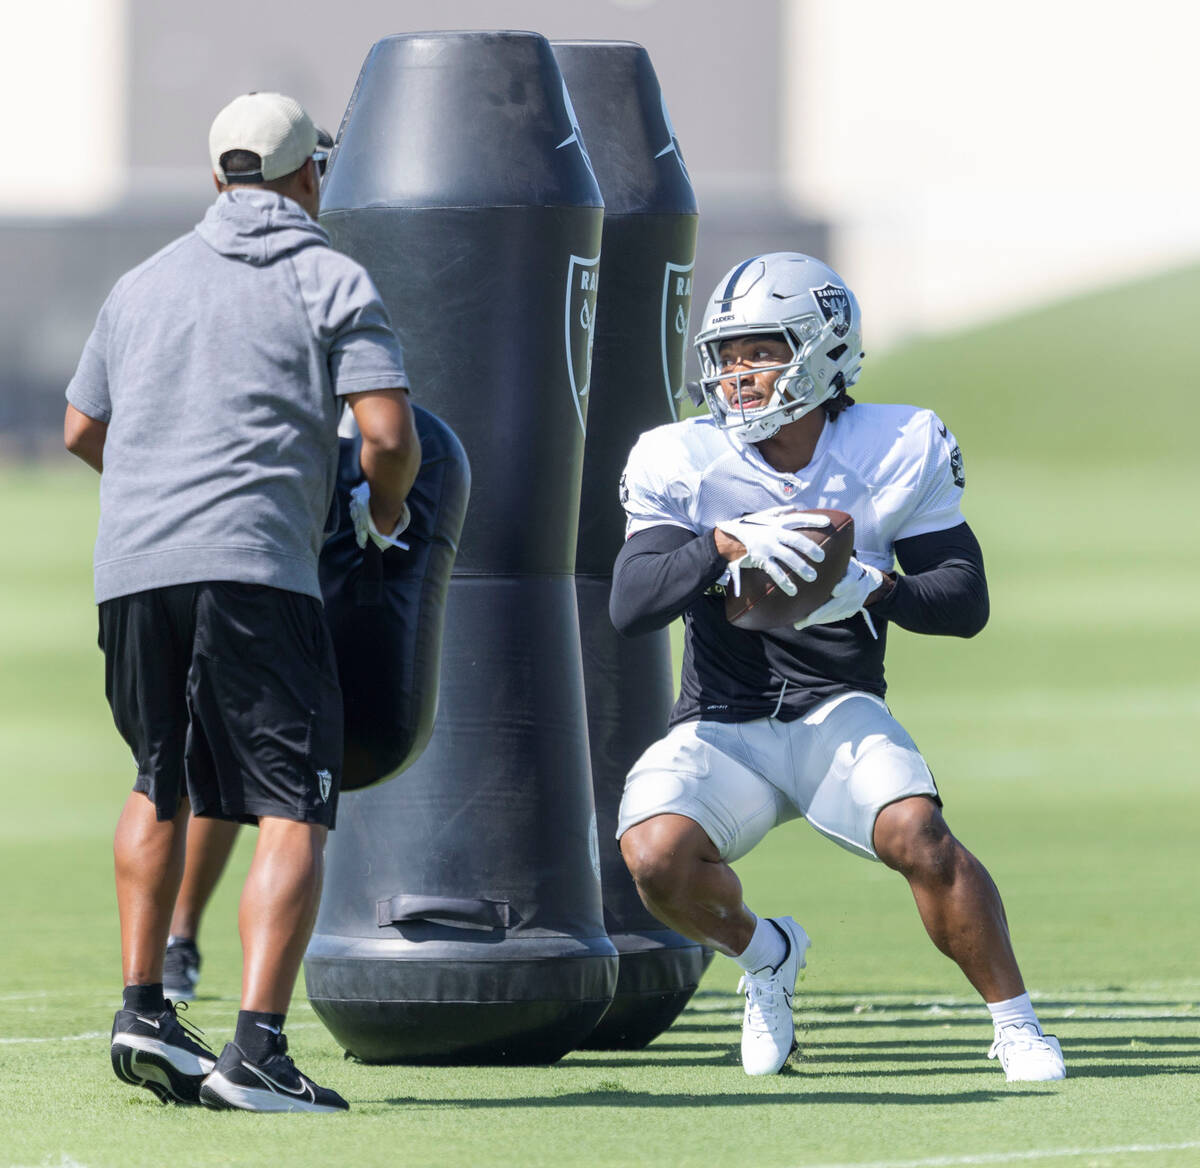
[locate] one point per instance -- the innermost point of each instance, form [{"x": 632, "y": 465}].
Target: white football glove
[
  {"x": 364, "y": 525},
  {"x": 848, "y": 597},
  {"x": 773, "y": 545}
]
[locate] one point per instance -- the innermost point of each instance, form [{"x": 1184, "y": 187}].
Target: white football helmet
[{"x": 807, "y": 303}]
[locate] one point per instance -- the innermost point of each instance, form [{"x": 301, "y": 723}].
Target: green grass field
[{"x": 1064, "y": 740}]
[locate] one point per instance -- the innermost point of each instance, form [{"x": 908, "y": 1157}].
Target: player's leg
[
  {"x": 692, "y": 803},
  {"x": 875, "y": 796},
  {"x": 145, "y": 676},
  {"x": 148, "y": 861},
  {"x": 957, "y": 899},
  {"x": 961, "y": 909},
  {"x": 209, "y": 844},
  {"x": 278, "y": 909},
  {"x": 266, "y": 745},
  {"x": 685, "y": 883}
]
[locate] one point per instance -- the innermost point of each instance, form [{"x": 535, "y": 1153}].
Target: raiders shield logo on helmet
[
  {"x": 835, "y": 305},
  {"x": 583, "y": 278},
  {"x": 676, "y": 310}
]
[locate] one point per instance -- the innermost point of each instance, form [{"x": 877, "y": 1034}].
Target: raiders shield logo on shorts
[
  {"x": 676, "y": 310},
  {"x": 583, "y": 278},
  {"x": 324, "y": 784}
]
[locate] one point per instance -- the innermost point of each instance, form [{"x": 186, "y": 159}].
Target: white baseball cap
[{"x": 270, "y": 125}]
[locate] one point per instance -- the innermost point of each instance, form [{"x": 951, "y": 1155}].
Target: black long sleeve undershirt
[
  {"x": 659, "y": 572},
  {"x": 943, "y": 590}
]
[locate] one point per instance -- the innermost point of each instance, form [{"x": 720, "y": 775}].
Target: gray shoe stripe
[
  {"x": 256, "y": 1098},
  {"x": 182, "y": 1060}
]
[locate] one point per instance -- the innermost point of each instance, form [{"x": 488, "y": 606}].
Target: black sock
[
  {"x": 258, "y": 1034},
  {"x": 144, "y": 999}
]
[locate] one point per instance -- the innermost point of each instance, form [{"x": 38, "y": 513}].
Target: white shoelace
[
  {"x": 1024, "y": 1037},
  {"x": 764, "y": 998}
]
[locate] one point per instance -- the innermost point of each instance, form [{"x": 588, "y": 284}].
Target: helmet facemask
[{"x": 796, "y": 391}]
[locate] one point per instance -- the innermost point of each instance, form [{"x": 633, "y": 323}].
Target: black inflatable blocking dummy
[
  {"x": 462, "y": 920},
  {"x": 649, "y": 249},
  {"x": 386, "y": 611}
]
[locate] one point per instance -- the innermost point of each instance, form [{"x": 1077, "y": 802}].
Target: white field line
[
  {"x": 65, "y": 1162},
  {"x": 894, "y": 1012},
  {"x": 1015, "y": 1157},
  {"x": 883, "y": 1016},
  {"x": 89, "y": 1037},
  {"x": 42, "y": 995},
  {"x": 903, "y": 1002},
  {"x": 92, "y": 1035}
]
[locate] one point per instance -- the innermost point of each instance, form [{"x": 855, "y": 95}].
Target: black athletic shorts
[{"x": 228, "y": 696}]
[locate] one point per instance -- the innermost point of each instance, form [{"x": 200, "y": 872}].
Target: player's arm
[
  {"x": 943, "y": 590},
  {"x": 391, "y": 451},
  {"x": 659, "y": 572},
  {"x": 84, "y": 437},
  {"x": 89, "y": 402}
]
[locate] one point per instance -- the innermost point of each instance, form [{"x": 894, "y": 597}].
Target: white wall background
[
  {"x": 979, "y": 158},
  {"x": 974, "y": 159},
  {"x": 62, "y": 98}
]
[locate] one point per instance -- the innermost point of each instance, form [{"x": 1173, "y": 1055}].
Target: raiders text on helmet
[{"x": 801, "y": 299}]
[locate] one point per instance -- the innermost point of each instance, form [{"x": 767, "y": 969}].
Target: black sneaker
[
  {"x": 156, "y": 1052},
  {"x": 272, "y": 1085},
  {"x": 181, "y": 970}
]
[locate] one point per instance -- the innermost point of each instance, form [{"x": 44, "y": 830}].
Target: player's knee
[
  {"x": 912, "y": 837},
  {"x": 659, "y": 869}
]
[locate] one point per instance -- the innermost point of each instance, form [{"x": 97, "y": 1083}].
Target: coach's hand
[
  {"x": 364, "y": 522},
  {"x": 768, "y": 540},
  {"x": 849, "y": 596}
]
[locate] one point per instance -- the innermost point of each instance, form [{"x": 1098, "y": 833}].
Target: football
[{"x": 764, "y": 605}]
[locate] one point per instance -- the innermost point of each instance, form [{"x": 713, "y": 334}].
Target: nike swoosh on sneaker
[
  {"x": 149, "y": 1021},
  {"x": 303, "y": 1089}
]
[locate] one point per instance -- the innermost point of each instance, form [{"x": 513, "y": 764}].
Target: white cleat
[
  {"x": 768, "y": 1032},
  {"x": 1027, "y": 1055}
]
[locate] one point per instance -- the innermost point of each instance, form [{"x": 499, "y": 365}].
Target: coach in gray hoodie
[{"x": 208, "y": 397}]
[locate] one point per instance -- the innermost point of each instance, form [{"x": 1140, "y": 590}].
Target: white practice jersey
[{"x": 895, "y": 469}]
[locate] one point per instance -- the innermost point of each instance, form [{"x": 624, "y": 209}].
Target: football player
[{"x": 791, "y": 722}]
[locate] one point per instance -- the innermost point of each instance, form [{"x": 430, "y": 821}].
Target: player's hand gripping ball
[{"x": 762, "y": 604}]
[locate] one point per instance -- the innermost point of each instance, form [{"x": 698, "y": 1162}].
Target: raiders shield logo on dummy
[
  {"x": 835, "y": 305},
  {"x": 676, "y": 310},
  {"x": 583, "y": 278}
]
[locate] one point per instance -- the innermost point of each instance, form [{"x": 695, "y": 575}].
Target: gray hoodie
[{"x": 218, "y": 365}]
